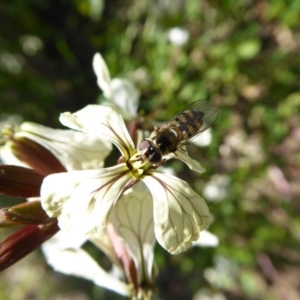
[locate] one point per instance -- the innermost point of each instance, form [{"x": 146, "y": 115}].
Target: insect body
[{"x": 178, "y": 131}]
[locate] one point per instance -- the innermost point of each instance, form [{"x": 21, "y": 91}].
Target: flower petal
[
  {"x": 75, "y": 150},
  {"x": 102, "y": 122},
  {"x": 103, "y": 241},
  {"x": 102, "y": 73},
  {"x": 179, "y": 213},
  {"x": 207, "y": 239},
  {"x": 126, "y": 97},
  {"x": 77, "y": 262},
  {"x": 132, "y": 217},
  {"x": 193, "y": 164},
  {"x": 82, "y": 200},
  {"x": 7, "y": 156}
]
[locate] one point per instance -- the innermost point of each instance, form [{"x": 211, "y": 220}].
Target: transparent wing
[{"x": 204, "y": 116}]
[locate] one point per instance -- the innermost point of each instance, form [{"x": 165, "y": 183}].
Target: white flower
[
  {"x": 73, "y": 260},
  {"x": 217, "y": 188},
  {"x": 127, "y": 241},
  {"x": 178, "y": 36},
  {"x": 12, "y": 63},
  {"x": 83, "y": 200},
  {"x": 31, "y": 44},
  {"x": 204, "y": 139},
  {"x": 223, "y": 274},
  {"x": 132, "y": 217},
  {"x": 74, "y": 150},
  {"x": 123, "y": 96}
]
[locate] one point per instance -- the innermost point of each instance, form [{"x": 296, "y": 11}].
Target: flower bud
[
  {"x": 24, "y": 241},
  {"x": 24, "y": 214},
  {"x": 29, "y": 153},
  {"x": 19, "y": 181}
]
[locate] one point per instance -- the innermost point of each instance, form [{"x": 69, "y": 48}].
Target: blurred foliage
[{"x": 243, "y": 57}]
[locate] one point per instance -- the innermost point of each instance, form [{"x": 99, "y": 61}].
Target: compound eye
[
  {"x": 155, "y": 157},
  {"x": 144, "y": 145}
]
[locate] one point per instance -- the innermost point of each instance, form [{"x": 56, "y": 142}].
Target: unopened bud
[
  {"x": 34, "y": 155},
  {"x": 19, "y": 181},
  {"x": 24, "y": 214},
  {"x": 23, "y": 242}
]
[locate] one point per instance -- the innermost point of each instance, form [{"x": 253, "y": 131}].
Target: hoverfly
[{"x": 178, "y": 131}]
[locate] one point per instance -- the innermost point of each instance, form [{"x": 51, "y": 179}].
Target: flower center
[{"x": 137, "y": 166}]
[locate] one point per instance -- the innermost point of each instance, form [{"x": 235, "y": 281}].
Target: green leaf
[{"x": 248, "y": 49}]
